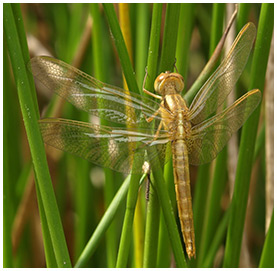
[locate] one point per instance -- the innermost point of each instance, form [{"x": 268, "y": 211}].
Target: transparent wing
[
  {"x": 223, "y": 80},
  {"x": 209, "y": 137},
  {"x": 88, "y": 94},
  {"x": 111, "y": 147}
]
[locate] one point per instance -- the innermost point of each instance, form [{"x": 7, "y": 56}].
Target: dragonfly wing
[
  {"x": 88, "y": 94},
  {"x": 223, "y": 80},
  {"x": 209, "y": 137},
  {"x": 111, "y": 147}
]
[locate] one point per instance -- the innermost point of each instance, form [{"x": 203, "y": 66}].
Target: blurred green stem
[{"x": 267, "y": 258}]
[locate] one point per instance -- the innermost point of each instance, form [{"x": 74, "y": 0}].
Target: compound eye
[{"x": 158, "y": 83}]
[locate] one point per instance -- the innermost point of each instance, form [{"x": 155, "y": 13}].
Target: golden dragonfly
[{"x": 194, "y": 133}]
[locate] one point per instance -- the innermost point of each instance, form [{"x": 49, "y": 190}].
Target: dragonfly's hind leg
[
  {"x": 161, "y": 124},
  {"x": 152, "y": 117}
]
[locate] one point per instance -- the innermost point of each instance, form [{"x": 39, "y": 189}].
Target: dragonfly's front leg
[
  {"x": 152, "y": 94},
  {"x": 157, "y": 112},
  {"x": 148, "y": 92}
]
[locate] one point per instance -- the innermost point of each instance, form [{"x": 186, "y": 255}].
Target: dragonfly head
[{"x": 169, "y": 83}]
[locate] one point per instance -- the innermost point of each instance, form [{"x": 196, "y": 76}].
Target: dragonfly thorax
[{"x": 169, "y": 83}]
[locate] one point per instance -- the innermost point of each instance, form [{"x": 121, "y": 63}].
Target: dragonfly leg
[
  {"x": 175, "y": 67},
  {"x": 146, "y": 91},
  {"x": 162, "y": 123},
  {"x": 158, "y": 130},
  {"x": 152, "y": 94},
  {"x": 153, "y": 116}
]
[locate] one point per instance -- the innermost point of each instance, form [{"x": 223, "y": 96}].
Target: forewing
[
  {"x": 209, "y": 137},
  {"x": 223, "y": 80},
  {"x": 88, "y": 94},
  {"x": 112, "y": 147}
]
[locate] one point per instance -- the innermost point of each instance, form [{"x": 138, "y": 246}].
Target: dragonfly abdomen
[{"x": 183, "y": 193}]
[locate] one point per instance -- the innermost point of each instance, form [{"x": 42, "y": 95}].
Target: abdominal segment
[{"x": 183, "y": 193}]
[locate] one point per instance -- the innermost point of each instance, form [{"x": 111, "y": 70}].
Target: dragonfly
[{"x": 194, "y": 133}]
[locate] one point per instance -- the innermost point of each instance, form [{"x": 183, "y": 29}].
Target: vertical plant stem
[
  {"x": 167, "y": 61},
  {"x": 217, "y": 25},
  {"x": 121, "y": 48},
  {"x": 214, "y": 189},
  {"x": 125, "y": 25},
  {"x": 153, "y": 213},
  {"x": 30, "y": 116},
  {"x": 141, "y": 51},
  {"x": 99, "y": 72},
  {"x": 152, "y": 230},
  {"x": 168, "y": 213},
  {"x": 126, "y": 235},
  {"x": 153, "y": 52},
  {"x": 260, "y": 142},
  {"x": 8, "y": 195},
  {"x": 184, "y": 37},
  {"x": 170, "y": 37},
  {"x": 142, "y": 40},
  {"x": 249, "y": 131},
  {"x": 158, "y": 180},
  {"x": 74, "y": 34},
  {"x": 243, "y": 13},
  {"x": 267, "y": 258}
]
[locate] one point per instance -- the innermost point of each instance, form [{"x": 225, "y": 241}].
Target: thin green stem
[
  {"x": 8, "y": 188},
  {"x": 153, "y": 213},
  {"x": 153, "y": 52},
  {"x": 260, "y": 142},
  {"x": 75, "y": 21},
  {"x": 267, "y": 258},
  {"x": 244, "y": 9},
  {"x": 142, "y": 40},
  {"x": 170, "y": 37},
  {"x": 184, "y": 37},
  {"x": 217, "y": 25},
  {"x": 152, "y": 230},
  {"x": 121, "y": 48}
]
